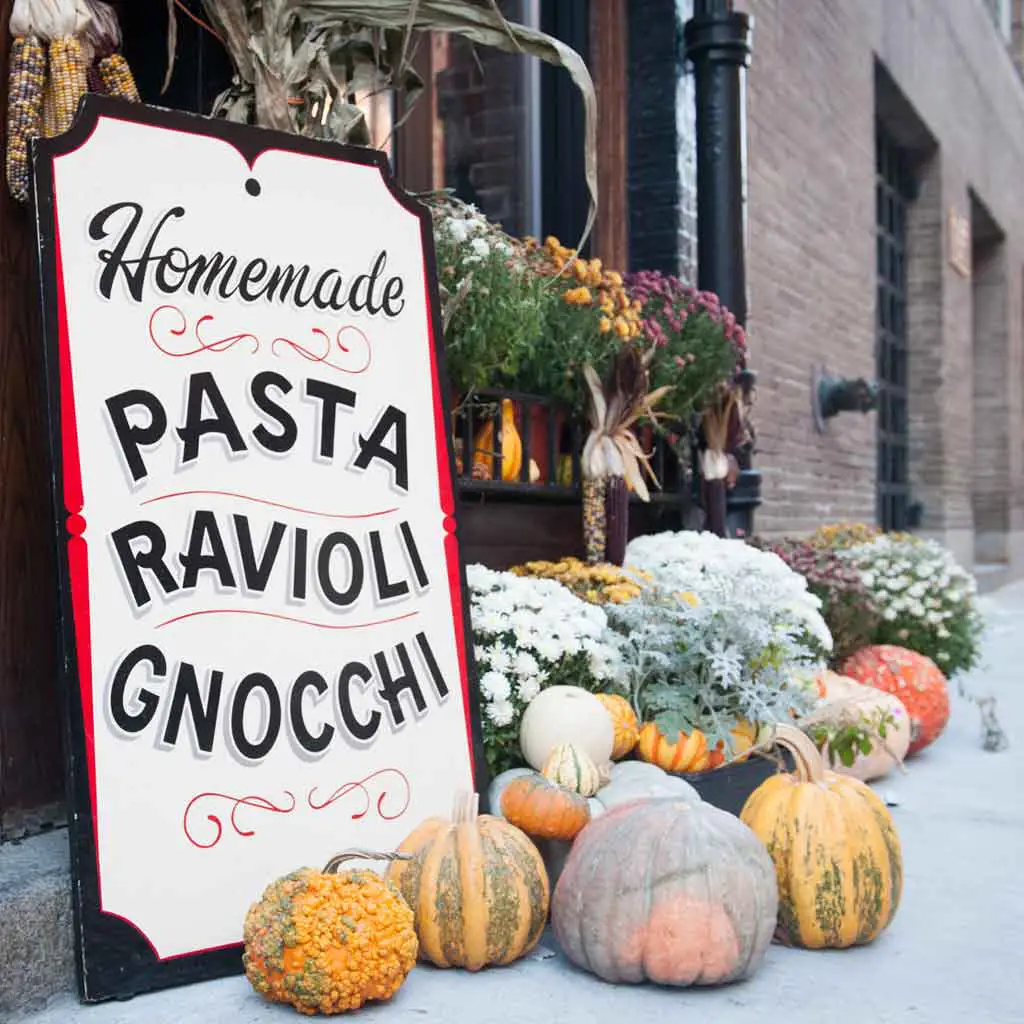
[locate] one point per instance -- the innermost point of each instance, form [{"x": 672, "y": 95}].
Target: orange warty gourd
[
  {"x": 916, "y": 680},
  {"x": 669, "y": 891},
  {"x": 836, "y": 852},
  {"x": 542, "y": 809},
  {"x": 627, "y": 729},
  {"x": 329, "y": 941},
  {"x": 477, "y": 887}
]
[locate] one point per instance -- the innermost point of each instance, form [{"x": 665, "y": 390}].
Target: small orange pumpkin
[
  {"x": 542, "y": 809},
  {"x": 627, "y": 729},
  {"x": 686, "y": 753}
]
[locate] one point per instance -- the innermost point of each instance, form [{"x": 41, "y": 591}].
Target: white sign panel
[{"x": 264, "y": 607}]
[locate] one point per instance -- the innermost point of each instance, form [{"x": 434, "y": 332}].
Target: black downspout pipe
[{"x": 717, "y": 44}]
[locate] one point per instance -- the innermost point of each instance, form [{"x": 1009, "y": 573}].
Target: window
[{"x": 892, "y": 192}]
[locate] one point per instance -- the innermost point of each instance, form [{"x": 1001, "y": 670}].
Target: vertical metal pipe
[{"x": 717, "y": 44}]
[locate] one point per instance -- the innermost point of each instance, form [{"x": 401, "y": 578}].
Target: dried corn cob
[
  {"x": 118, "y": 79},
  {"x": 67, "y": 82},
  {"x": 595, "y": 518},
  {"x": 24, "y": 109},
  {"x": 617, "y": 520}
]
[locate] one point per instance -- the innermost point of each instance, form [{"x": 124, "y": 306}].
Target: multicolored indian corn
[
  {"x": 117, "y": 78},
  {"x": 27, "y": 80},
  {"x": 67, "y": 83}
]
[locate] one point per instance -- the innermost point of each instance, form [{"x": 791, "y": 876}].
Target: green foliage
[
  {"x": 706, "y": 667},
  {"x": 498, "y": 307},
  {"x": 846, "y": 739}
]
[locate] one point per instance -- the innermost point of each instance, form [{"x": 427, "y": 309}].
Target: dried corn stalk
[
  {"x": 612, "y": 450},
  {"x": 300, "y": 63}
]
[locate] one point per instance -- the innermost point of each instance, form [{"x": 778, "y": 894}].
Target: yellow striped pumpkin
[
  {"x": 686, "y": 753},
  {"x": 627, "y": 730},
  {"x": 477, "y": 887},
  {"x": 836, "y": 851}
]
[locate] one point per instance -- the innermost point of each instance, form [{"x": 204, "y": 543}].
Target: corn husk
[
  {"x": 611, "y": 448},
  {"x": 714, "y": 463},
  {"x": 300, "y": 63}
]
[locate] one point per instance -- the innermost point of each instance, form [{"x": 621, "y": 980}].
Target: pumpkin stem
[
  {"x": 808, "y": 761},
  {"x": 339, "y": 858},
  {"x": 466, "y": 809}
]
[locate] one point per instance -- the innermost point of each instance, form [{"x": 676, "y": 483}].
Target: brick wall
[
  {"x": 483, "y": 120},
  {"x": 945, "y": 79}
]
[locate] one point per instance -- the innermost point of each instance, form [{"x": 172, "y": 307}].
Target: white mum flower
[
  {"x": 458, "y": 229},
  {"x": 495, "y": 686},
  {"x": 499, "y": 658},
  {"x": 501, "y": 712},
  {"x": 529, "y": 688},
  {"x": 524, "y": 665}
]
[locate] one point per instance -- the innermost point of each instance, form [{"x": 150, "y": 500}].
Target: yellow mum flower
[{"x": 578, "y": 296}]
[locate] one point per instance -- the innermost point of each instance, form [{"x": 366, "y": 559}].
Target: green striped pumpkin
[
  {"x": 477, "y": 887},
  {"x": 835, "y": 848},
  {"x": 570, "y": 767}
]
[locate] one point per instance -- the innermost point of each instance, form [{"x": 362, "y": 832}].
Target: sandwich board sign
[{"x": 264, "y": 613}]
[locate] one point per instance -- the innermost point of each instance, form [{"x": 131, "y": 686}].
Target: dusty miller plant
[{"x": 687, "y": 664}]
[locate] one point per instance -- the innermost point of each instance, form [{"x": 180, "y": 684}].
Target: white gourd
[
  {"x": 566, "y": 714},
  {"x": 847, "y": 695}
]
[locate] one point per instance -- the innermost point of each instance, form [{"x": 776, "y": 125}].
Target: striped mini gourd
[
  {"x": 67, "y": 84},
  {"x": 118, "y": 79},
  {"x": 27, "y": 80}
]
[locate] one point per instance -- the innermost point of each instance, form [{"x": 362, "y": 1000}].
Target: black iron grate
[{"x": 893, "y": 188}]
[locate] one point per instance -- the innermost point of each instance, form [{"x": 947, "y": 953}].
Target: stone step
[{"x": 36, "y": 949}]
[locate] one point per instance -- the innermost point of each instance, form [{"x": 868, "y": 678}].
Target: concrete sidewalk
[{"x": 952, "y": 954}]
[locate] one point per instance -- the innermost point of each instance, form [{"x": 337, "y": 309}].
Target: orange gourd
[
  {"x": 542, "y": 809},
  {"x": 627, "y": 729},
  {"x": 686, "y": 753},
  {"x": 511, "y": 447}
]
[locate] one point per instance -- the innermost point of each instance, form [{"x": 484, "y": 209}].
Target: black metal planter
[{"x": 729, "y": 787}]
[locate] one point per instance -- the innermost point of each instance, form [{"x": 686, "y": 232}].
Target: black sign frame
[{"x": 113, "y": 959}]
